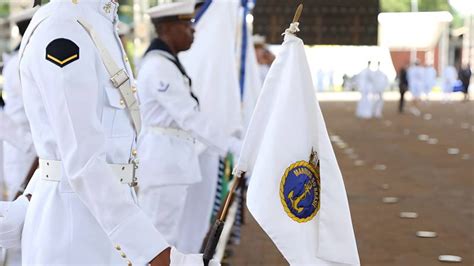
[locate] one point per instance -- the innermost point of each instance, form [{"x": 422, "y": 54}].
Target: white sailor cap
[
  {"x": 123, "y": 28},
  {"x": 23, "y": 15},
  {"x": 259, "y": 39},
  {"x": 182, "y": 10}
]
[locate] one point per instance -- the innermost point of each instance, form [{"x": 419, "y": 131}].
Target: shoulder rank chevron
[{"x": 62, "y": 52}]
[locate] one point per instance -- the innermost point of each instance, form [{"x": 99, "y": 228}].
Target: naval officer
[
  {"x": 173, "y": 127},
  {"x": 78, "y": 96},
  {"x": 17, "y": 162}
]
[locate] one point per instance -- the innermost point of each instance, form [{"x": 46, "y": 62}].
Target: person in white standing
[
  {"x": 415, "y": 85},
  {"x": 172, "y": 122},
  {"x": 10, "y": 133},
  {"x": 17, "y": 162},
  {"x": 84, "y": 120},
  {"x": 429, "y": 80},
  {"x": 450, "y": 75},
  {"x": 264, "y": 56},
  {"x": 380, "y": 83},
  {"x": 365, "y": 85},
  {"x": 216, "y": 84}
]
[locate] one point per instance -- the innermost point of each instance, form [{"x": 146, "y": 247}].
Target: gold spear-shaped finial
[
  {"x": 293, "y": 29},
  {"x": 298, "y": 12}
]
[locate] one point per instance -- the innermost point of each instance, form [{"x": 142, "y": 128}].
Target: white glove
[
  {"x": 12, "y": 217},
  {"x": 178, "y": 258}
]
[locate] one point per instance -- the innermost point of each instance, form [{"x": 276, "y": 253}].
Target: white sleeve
[
  {"x": 71, "y": 97},
  {"x": 13, "y": 134},
  {"x": 170, "y": 91}
]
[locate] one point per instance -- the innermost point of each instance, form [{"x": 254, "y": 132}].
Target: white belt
[
  {"x": 51, "y": 170},
  {"x": 174, "y": 132}
]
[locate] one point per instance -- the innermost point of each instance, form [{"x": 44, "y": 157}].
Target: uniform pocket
[{"x": 115, "y": 117}]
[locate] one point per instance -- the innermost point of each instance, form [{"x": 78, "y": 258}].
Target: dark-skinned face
[{"x": 181, "y": 33}]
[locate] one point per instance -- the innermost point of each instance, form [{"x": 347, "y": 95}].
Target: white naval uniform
[
  {"x": 429, "y": 79},
  {"x": 365, "y": 85},
  {"x": 169, "y": 157},
  {"x": 380, "y": 83},
  {"x": 9, "y": 132},
  {"x": 449, "y": 80},
  {"x": 17, "y": 162},
  {"x": 76, "y": 116},
  {"x": 416, "y": 80},
  {"x": 217, "y": 85}
]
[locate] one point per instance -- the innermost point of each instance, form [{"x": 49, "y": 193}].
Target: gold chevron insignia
[{"x": 63, "y": 61}]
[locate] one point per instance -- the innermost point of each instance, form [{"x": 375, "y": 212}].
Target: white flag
[
  {"x": 250, "y": 78},
  {"x": 211, "y": 63},
  {"x": 303, "y": 210}
]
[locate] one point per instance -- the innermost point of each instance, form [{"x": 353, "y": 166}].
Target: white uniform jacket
[
  {"x": 167, "y": 102},
  {"x": 17, "y": 161},
  {"x": 77, "y": 117},
  {"x": 415, "y": 80},
  {"x": 379, "y": 81},
  {"x": 9, "y": 132}
]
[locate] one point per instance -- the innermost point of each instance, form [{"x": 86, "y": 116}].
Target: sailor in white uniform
[
  {"x": 379, "y": 84},
  {"x": 84, "y": 118},
  {"x": 17, "y": 159},
  {"x": 416, "y": 76},
  {"x": 429, "y": 80},
  {"x": 365, "y": 85},
  {"x": 450, "y": 75},
  {"x": 17, "y": 162},
  {"x": 172, "y": 123}
]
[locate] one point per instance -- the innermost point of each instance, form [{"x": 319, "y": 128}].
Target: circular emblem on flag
[{"x": 300, "y": 191}]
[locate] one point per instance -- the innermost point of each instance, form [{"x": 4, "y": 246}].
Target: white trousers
[
  {"x": 377, "y": 104},
  {"x": 364, "y": 107},
  {"x": 199, "y": 204},
  {"x": 165, "y": 207}
]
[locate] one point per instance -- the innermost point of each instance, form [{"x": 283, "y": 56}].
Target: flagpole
[{"x": 216, "y": 230}]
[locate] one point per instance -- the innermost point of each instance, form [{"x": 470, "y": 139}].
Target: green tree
[{"x": 423, "y": 5}]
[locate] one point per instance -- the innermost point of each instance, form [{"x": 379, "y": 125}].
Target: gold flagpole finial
[
  {"x": 298, "y": 12},
  {"x": 293, "y": 29}
]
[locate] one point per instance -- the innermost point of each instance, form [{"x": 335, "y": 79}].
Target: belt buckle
[{"x": 119, "y": 78}]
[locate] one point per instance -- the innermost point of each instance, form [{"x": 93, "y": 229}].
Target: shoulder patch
[{"x": 62, "y": 52}]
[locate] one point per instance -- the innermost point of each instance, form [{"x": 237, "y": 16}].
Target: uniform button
[
  {"x": 123, "y": 255},
  {"x": 117, "y": 247},
  {"x": 122, "y": 102},
  {"x": 134, "y": 152},
  {"x": 129, "y": 263},
  {"x": 126, "y": 59},
  {"x": 134, "y": 89}
]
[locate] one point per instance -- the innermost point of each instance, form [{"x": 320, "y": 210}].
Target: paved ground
[{"x": 386, "y": 157}]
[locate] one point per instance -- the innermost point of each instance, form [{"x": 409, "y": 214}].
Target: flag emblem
[{"x": 300, "y": 190}]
